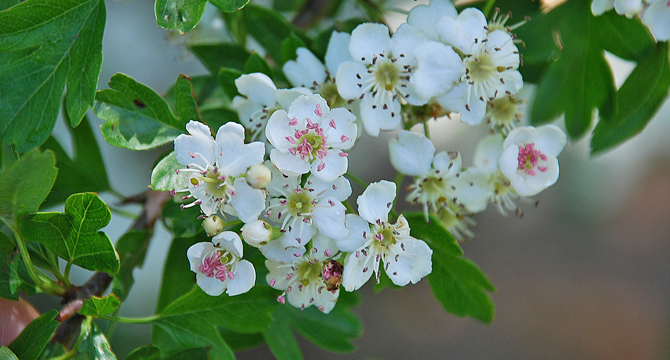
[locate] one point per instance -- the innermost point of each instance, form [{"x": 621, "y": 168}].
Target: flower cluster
[
  {"x": 654, "y": 13},
  {"x": 290, "y": 188}
]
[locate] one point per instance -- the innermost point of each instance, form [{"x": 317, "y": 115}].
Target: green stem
[
  {"x": 144, "y": 320},
  {"x": 488, "y": 7},
  {"x": 233, "y": 223},
  {"x": 123, "y": 213},
  {"x": 426, "y": 129},
  {"x": 67, "y": 269},
  {"x": 112, "y": 325},
  {"x": 348, "y": 206},
  {"x": 357, "y": 180},
  {"x": 23, "y": 250},
  {"x": 117, "y": 194}
]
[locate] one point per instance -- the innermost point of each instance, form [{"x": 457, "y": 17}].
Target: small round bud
[
  {"x": 259, "y": 176},
  {"x": 257, "y": 233},
  {"x": 213, "y": 225}
]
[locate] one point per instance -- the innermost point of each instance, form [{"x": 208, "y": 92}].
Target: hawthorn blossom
[
  {"x": 310, "y": 278},
  {"x": 529, "y": 158},
  {"x": 491, "y": 62},
  {"x": 505, "y": 112},
  {"x": 260, "y": 100},
  {"x": 380, "y": 73},
  {"x": 424, "y": 17},
  {"x": 311, "y": 137},
  {"x": 216, "y": 170},
  {"x": 629, "y": 8},
  {"x": 487, "y": 156},
  {"x": 218, "y": 265},
  {"x": 657, "y": 17},
  {"x": 404, "y": 258}
]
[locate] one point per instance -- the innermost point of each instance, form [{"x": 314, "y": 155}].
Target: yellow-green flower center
[
  {"x": 299, "y": 203},
  {"x": 386, "y": 74}
]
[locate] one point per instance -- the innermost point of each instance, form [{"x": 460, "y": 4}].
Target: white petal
[
  {"x": 628, "y": 7},
  {"x": 353, "y": 276},
  {"x": 278, "y": 129},
  {"x": 235, "y": 156},
  {"x": 474, "y": 113},
  {"x": 337, "y": 51},
  {"x": 449, "y": 164},
  {"x": 376, "y": 201},
  {"x": 307, "y": 107},
  {"x": 598, "y": 7},
  {"x": 197, "y": 252},
  {"x": 405, "y": 39},
  {"x": 247, "y": 202},
  {"x": 276, "y": 277},
  {"x": 358, "y": 227},
  {"x": 657, "y": 17},
  {"x": 440, "y": 68},
  {"x": 280, "y": 184},
  {"x": 455, "y": 99},
  {"x": 258, "y": 87},
  {"x": 286, "y": 96},
  {"x": 199, "y": 141},
  {"x": 331, "y": 166},
  {"x": 369, "y": 40},
  {"x": 411, "y": 154},
  {"x": 322, "y": 246},
  {"x": 347, "y": 79},
  {"x": 210, "y": 285},
  {"x": 275, "y": 251},
  {"x": 289, "y": 164},
  {"x": 246, "y": 108},
  {"x": 462, "y": 31},
  {"x": 326, "y": 300},
  {"x": 245, "y": 279},
  {"x": 488, "y": 152},
  {"x": 297, "y": 236},
  {"x": 412, "y": 264},
  {"x": 328, "y": 216},
  {"x": 340, "y": 189},
  {"x": 375, "y": 117},
  {"x": 305, "y": 69},
  {"x": 229, "y": 241},
  {"x": 473, "y": 189},
  {"x": 343, "y": 134},
  {"x": 425, "y": 17},
  {"x": 520, "y": 135},
  {"x": 550, "y": 139}
]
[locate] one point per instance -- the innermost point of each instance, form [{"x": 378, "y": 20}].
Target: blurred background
[{"x": 584, "y": 275}]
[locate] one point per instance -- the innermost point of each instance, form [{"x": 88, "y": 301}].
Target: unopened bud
[
  {"x": 213, "y": 225},
  {"x": 259, "y": 176},
  {"x": 257, "y": 233}
]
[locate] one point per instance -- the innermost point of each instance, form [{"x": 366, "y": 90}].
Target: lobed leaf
[
  {"x": 148, "y": 352},
  {"x": 98, "y": 306},
  {"x": 132, "y": 249},
  {"x": 269, "y": 28},
  {"x": 74, "y": 235},
  {"x": 216, "y": 56},
  {"x": 94, "y": 344},
  {"x": 229, "y": 5}
]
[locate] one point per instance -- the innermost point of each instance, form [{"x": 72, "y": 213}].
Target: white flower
[
  {"x": 491, "y": 63},
  {"x": 487, "y": 157},
  {"x": 261, "y": 99},
  {"x": 425, "y": 17},
  {"x": 301, "y": 210},
  {"x": 218, "y": 266},
  {"x": 623, "y": 7},
  {"x": 312, "y": 278},
  {"x": 529, "y": 158},
  {"x": 257, "y": 233},
  {"x": 439, "y": 178},
  {"x": 505, "y": 112},
  {"x": 216, "y": 168},
  {"x": 380, "y": 73},
  {"x": 404, "y": 258},
  {"x": 311, "y": 137},
  {"x": 657, "y": 17}
]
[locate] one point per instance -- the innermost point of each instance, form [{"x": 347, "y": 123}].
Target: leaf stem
[
  {"x": 488, "y": 7},
  {"x": 124, "y": 320},
  {"x": 356, "y": 179},
  {"x": 426, "y": 128},
  {"x": 126, "y": 214},
  {"x": 43, "y": 283}
]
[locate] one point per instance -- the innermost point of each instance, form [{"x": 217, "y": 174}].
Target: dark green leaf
[
  {"x": 191, "y": 354},
  {"x": 182, "y": 15},
  {"x": 186, "y": 103},
  {"x": 6, "y": 354},
  {"x": 182, "y": 222},
  {"x": 290, "y": 46},
  {"x": 373, "y": 10},
  {"x": 235, "y": 26},
  {"x": 320, "y": 44},
  {"x": 94, "y": 344},
  {"x": 456, "y": 282},
  {"x": 238, "y": 341},
  {"x": 164, "y": 176},
  {"x": 135, "y": 117},
  {"x": 74, "y": 235},
  {"x": 32, "y": 340},
  {"x": 13, "y": 273},
  {"x": 288, "y": 5},
  {"x": 132, "y": 248},
  {"x": 85, "y": 172},
  {"x": 269, "y": 28},
  {"x": 215, "y": 118},
  {"x": 227, "y": 78},
  {"x": 6, "y": 4},
  {"x": 53, "y": 350},
  {"x": 148, "y": 352},
  {"x": 643, "y": 92},
  {"x": 229, "y": 5},
  {"x": 280, "y": 338},
  {"x": 45, "y": 44},
  {"x": 97, "y": 306},
  {"x": 25, "y": 185},
  {"x": 626, "y": 38},
  {"x": 255, "y": 63},
  {"x": 216, "y": 56}
]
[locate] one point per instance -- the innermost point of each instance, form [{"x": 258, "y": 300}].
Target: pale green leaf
[
  {"x": 164, "y": 176},
  {"x": 97, "y": 306}
]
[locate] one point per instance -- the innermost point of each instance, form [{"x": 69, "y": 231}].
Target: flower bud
[
  {"x": 259, "y": 176},
  {"x": 213, "y": 225},
  {"x": 257, "y": 233}
]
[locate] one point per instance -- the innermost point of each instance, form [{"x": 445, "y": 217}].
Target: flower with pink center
[
  {"x": 311, "y": 137},
  {"x": 218, "y": 265},
  {"x": 529, "y": 158}
]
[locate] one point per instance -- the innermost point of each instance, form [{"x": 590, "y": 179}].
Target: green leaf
[
  {"x": 74, "y": 235},
  {"x": 6, "y": 4},
  {"x": 456, "y": 282},
  {"x": 288, "y": 5},
  {"x": 135, "y": 117},
  {"x": 13, "y": 273},
  {"x": 235, "y": 26},
  {"x": 289, "y": 47},
  {"x": 269, "y": 28},
  {"x": 182, "y": 223},
  {"x": 239, "y": 342},
  {"x": 45, "y": 44},
  {"x": 256, "y": 64},
  {"x": 186, "y": 103},
  {"x": 626, "y": 38},
  {"x": 182, "y": 15},
  {"x": 98, "y": 306},
  {"x": 25, "y": 185},
  {"x": 216, "y": 56},
  {"x": 164, "y": 176},
  {"x": 229, "y": 5},
  {"x": 6, "y": 354},
  {"x": 85, "y": 172},
  {"x": 148, "y": 352},
  {"x": 191, "y": 354},
  {"x": 94, "y": 344},
  {"x": 32, "y": 340},
  {"x": 132, "y": 249},
  {"x": 639, "y": 98},
  {"x": 192, "y": 320},
  {"x": 280, "y": 338},
  {"x": 227, "y": 78},
  {"x": 320, "y": 44}
]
